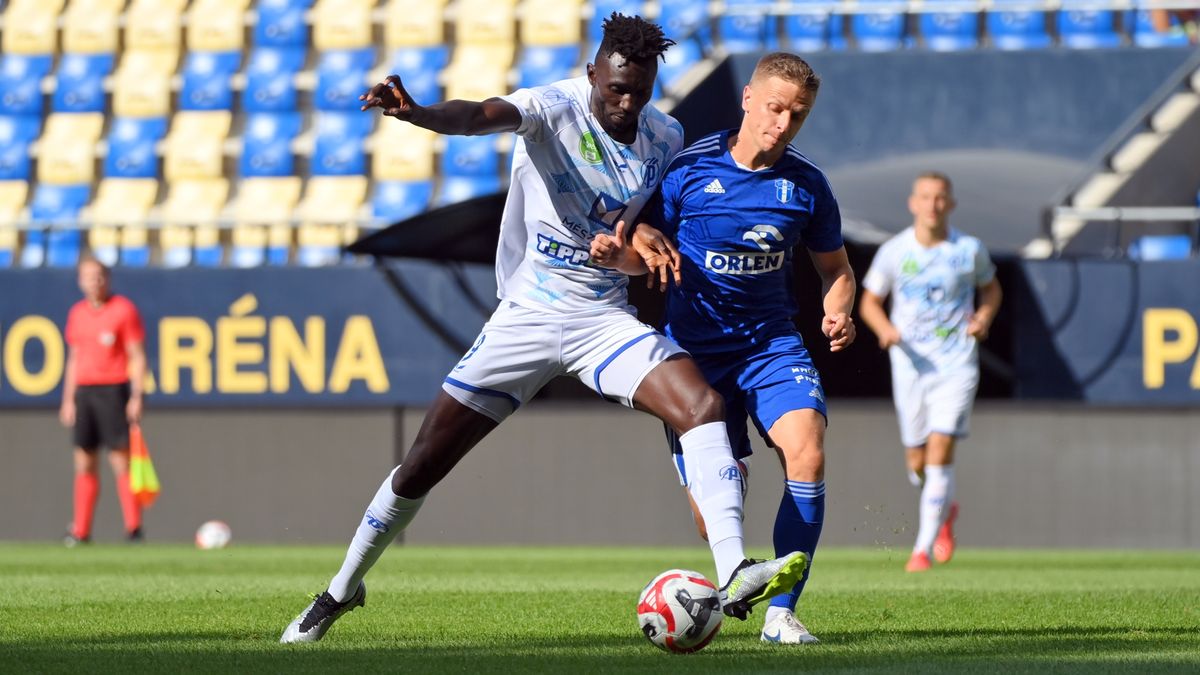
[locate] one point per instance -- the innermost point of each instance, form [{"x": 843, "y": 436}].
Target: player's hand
[
  {"x": 133, "y": 410},
  {"x": 660, "y": 255},
  {"x": 608, "y": 250},
  {"x": 66, "y": 414},
  {"x": 978, "y": 328},
  {"x": 839, "y": 328},
  {"x": 889, "y": 338},
  {"x": 390, "y": 97}
]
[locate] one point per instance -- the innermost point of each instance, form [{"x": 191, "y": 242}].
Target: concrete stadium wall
[{"x": 1043, "y": 476}]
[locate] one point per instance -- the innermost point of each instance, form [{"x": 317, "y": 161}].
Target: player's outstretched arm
[
  {"x": 837, "y": 282},
  {"x": 454, "y": 118}
]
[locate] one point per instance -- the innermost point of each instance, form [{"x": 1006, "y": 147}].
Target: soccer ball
[
  {"x": 680, "y": 611},
  {"x": 213, "y": 534}
]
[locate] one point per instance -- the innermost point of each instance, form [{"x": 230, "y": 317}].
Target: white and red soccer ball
[
  {"x": 680, "y": 611},
  {"x": 213, "y": 534}
]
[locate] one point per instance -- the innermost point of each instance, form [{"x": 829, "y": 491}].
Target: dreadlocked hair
[{"x": 634, "y": 38}]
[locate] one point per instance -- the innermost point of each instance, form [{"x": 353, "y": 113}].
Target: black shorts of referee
[{"x": 100, "y": 420}]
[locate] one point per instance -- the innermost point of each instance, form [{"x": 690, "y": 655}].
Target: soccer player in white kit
[
  {"x": 589, "y": 153},
  {"x": 932, "y": 271}
]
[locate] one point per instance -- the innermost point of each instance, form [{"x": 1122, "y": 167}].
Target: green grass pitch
[{"x": 170, "y": 609}]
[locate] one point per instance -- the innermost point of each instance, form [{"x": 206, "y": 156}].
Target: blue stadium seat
[
  {"x": 55, "y": 207},
  {"x": 681, "y": 19},
  {"x": 881, "y": 30},
  {"x": 281, "y": 23},
  {"x": 208, "y": 256},
  {"x": 267, "y": 144},
  {"x": 1087, "y": 28},
  {"x": 21, "y": 83},
  {"x": 604, "y": 9},
  {"x": 341, "y": 78},
  {"x": 678, "y": 60},
  {"x": 748, "y": 33},
  {"x": 469, "y": 168},
  {"x": 950, "y": 30},
  {"x": 394, "y": 201},
  {"x": 339, "y": 144},
  {"x": 1016, "y": 29},
  {"x": 206, "y": 80},
  {"x": 813, "y": 31},
  {"x": 135, "y": 256},
  {"x": 1161, "y": 247},
  {"x": 1145, "y": 35},
  {"x": 419, "y": 69},
  {"x": 79, "y": 83},
  {"x": 543, "y": 65},
  {"x": 131, "y": 143},
  {"x": 16, "y": 134},
  {"x": 270, "y": 79}
]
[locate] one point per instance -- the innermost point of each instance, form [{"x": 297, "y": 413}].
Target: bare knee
[
  {"x": 805, "y": 463},
  {"x": 705, "y": 407}
]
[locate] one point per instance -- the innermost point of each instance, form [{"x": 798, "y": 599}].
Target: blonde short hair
[
  {"x": 936, "y": 175},
  {"x": 787, "y": 67}
]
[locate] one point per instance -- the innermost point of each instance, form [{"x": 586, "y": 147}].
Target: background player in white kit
[
  {"x": 589, "y": 153},
  {"x": 931, "y": 271}
]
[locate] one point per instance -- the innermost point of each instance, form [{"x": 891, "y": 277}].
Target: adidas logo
[{"x": 714, "y": 188}]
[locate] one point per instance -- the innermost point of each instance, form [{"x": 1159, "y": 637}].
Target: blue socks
[{"x": 798, "y": 528}]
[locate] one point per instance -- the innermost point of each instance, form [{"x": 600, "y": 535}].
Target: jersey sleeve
[
  {"x": 662, "y": 211},
  {"x": 881, "y": 275},
  {"x": 543, "y": 111},
  {"x": 985, "y": 269},
  {"x": 824, "y": 231}
]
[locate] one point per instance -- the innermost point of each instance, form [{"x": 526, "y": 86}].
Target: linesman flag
[{"x": 143, "y": 481}]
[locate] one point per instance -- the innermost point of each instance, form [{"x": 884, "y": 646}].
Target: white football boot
[
  {"x": 316, "y": 619},
  {"x": 786, "y": 629}
]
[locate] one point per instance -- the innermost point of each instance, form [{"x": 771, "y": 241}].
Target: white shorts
[
  {"x": 522, "y": 349},
  {"x": 933, "y": 402}
]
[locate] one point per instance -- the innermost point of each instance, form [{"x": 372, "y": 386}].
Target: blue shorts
[{"x": 764, "y": 384}]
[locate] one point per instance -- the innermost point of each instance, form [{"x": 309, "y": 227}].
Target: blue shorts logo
[
  {"x": 375, "y": 523},
  {"x": 784, "y": 189}
]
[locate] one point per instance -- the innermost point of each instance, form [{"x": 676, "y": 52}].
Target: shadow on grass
[{"x": 1060, "y": 650}]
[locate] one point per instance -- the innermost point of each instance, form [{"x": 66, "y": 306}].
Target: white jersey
[
  {"x": 570, "y": 181},
  {"x": 933, "y": 297}
]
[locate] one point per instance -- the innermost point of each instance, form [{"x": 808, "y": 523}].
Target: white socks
[
  {"x": 386, "y": 517},
  {"x": 915, "y": 479},
  {"x": 716, "y": 486},
  {"x": 935, "y": 505}
]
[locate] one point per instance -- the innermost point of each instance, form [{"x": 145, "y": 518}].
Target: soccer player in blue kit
[{"x": 737, "y": 203}]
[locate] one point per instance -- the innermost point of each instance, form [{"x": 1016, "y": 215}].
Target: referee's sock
[
  {"x": 131, "y": 511},
  {"x": 87, "y": 491}
]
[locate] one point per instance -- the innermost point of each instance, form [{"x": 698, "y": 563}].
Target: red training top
[{"x": 99, "y": 336}]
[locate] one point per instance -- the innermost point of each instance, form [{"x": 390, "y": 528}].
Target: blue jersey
[{"x": 737, "y": 230}]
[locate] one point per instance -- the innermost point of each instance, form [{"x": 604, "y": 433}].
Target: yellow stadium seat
[
  {"x": 551, "y": 22},
  {"x": 262, "y": 213},
  {"x": 342, "y": 24},
  {"x": 31, "y": 26},
  {"x": 195, "y": 144},
  {"x": 477, "y": 72},
  {"x": 67, "y": 148},
  {"x": 330, "y": 205},
  {"x": 402, "y": 152},
  {"x": 124, "y": 201},
  {"x": 90, "y": 26},
  {"x": 103, "y": 241},
  {"x": 217, "y": 25},
  {"x": 154, "y": 24},
  {"x": 408, "y": 24},
  {"x": 190, "y": 218},
  {"x": 484, "y": 22},
  {"x": 12, "y": 200},
  {"x": 142, "y": 83}
]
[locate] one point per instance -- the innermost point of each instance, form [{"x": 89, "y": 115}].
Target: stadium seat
[
  {"x": 879, "y": 30},
  {"x": 281, "y": 23},
  {"x": 338, "y": 149},
  {"x": 267, "y": 144},
  {"x": 483, "y": 22},
  {"x": 682, "y": 19},
  {"x": 342, "y": 24},
  {"x": 419, "y": 68},
  {"x": 1161, "y": 247},
  {"x": 478, "y": 72},
  {"x": 543, "y": 65},
  {"x": 749, "y": 28},
  {"x": 31, "y": 26},
  {"x": 142, "y": 83},
  {"x": 330, "y": 206},
  {"x": 551, "y": 23},
  {"x": 67, "y": 148},
  {"x": 397, "y": 200},
  {"x": 12, "y": 201},
  {"x": 342, "y": 78},
  {"x": 402, "y": 152},
  {"x": 217, "y": 25},
  {"x": 678, "y": 60},
  {"x": 90, "y": 26},
  {"x": 16, "y": 135},
  {"x": 409, "y": 24},
  {"x": 154, "y": 25},
  {"x": 261, "y": 212},
  {"x": 950, "y": 30},
  {"x": 271, "y": 79},
  {"x": 54, "y": 239},
  {"x": 207, "y": 80},
  {"x": 1016, "y": 29},
  {"x": 813, "y": 30},
  {"x": 1080, "y": 27},
  {"x": 190, "y": 216},
  {"x": 195, "y": 144},
  {"x": 118, "y": 215},
  {"x": 131, "y": 147},
  {"x": 21, "y": 83},
  {"x": 469, "y": 168},
  {"x": 79, "y": 83},
  {"x": 1145, "y": 35}
]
